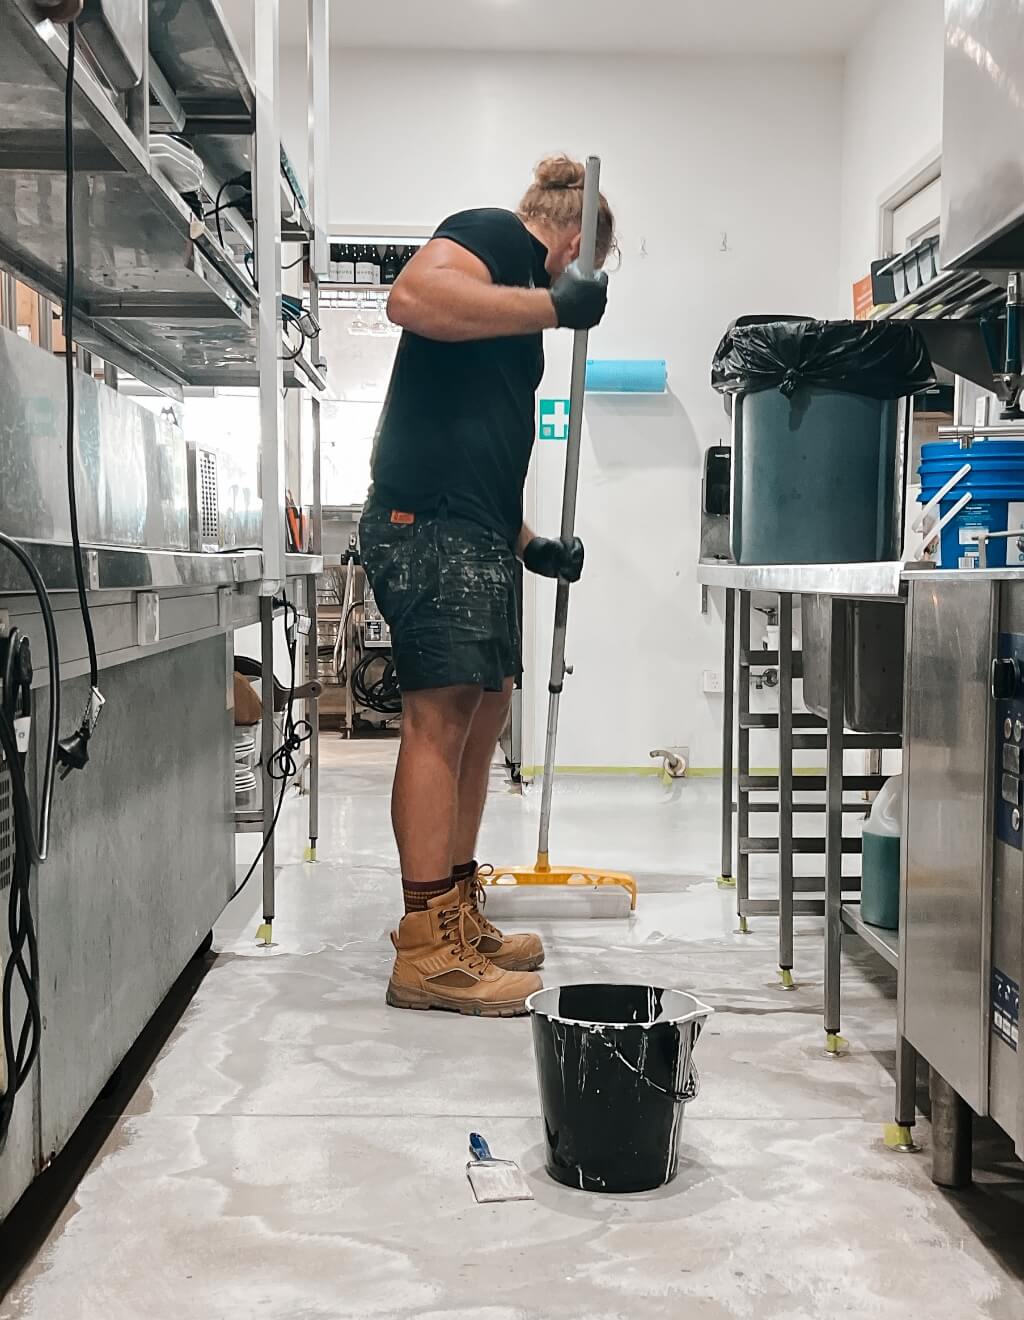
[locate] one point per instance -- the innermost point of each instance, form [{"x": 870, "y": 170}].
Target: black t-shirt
[{"x": 456, "y": 433}]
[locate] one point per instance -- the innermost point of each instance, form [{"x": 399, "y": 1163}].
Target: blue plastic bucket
[{"x": 995, "y": 484}]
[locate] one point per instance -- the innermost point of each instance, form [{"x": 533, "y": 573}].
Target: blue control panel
[
  {"x": 1009, "y": 740},
  {"x": 1005, "y": 1008}
]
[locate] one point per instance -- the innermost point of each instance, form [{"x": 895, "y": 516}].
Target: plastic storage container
[
  {"x": 615, "y": 1070},
  {"x": 995, "y": 484},
  {"x": 880, "y": 879}
]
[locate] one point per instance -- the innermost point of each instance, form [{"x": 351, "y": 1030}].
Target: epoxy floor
[{"x": 297, "y": 1151}]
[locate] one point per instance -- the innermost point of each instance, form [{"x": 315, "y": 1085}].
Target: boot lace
[
  {"x": 478, "y": 899},
  {"x": 452, "y": 924}
]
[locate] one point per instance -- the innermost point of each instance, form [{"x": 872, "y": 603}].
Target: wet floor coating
[{"x": 298, "y": 1150}]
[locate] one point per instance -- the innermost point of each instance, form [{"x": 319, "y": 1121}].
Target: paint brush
[{"x": 491, "y": 1179}]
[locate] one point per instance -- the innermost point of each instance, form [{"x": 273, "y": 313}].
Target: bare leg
[
  {"x": 424, "y": 802},
  {"x": 477, "y": 757}
]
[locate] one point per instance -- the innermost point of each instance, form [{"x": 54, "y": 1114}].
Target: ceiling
[{"x": 608, "y": 26}]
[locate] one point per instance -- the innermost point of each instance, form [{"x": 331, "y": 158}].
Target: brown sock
[
  {"x": 464, "y": 871},
  {"x": 417, "y": 893}
]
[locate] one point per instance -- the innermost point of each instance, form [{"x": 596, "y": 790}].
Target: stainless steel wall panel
[
  {"x": 948, "y": 772},
  {"x": 142, "y": 864}
]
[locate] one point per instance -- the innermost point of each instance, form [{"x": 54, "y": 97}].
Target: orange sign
[{"x": 863, "y": 300}]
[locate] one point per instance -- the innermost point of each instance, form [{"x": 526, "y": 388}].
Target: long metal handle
[{"x": 587, "y": 258}]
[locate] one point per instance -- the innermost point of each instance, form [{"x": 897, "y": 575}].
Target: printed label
[
  {"x": 1005, "y": 1008},
  {"x": 365, "y": 273},
  {"x": 346, "y": 272}
]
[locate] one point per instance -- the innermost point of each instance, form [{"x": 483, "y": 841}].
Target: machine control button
[
  {"x": 1007, "y": 728},
  {"x": 1011, "y": 758},
  {"x": 1005, "y": 679},
  {"x": 1018, "y": 731},
  {"x": 1015, "y": 818},
  {"x": 1011, "y": 790}
]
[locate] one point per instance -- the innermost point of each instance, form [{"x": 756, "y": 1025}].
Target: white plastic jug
[
  {"x": 887, "y": 810},
  {"x": 880, "y": 875}
]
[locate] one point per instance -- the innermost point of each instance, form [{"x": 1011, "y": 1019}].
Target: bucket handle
[
  {"x": 936, "y": 500},
  {"x": 690, "y": 1091}
]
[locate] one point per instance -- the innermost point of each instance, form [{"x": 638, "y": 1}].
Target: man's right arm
[{"x": 447, "y": 293}]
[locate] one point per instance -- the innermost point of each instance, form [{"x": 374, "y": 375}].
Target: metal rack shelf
[
  {"x": 886, "y": 943},
  {"x": 952, "y": 295},
  {"x": 156, "y": 294}
]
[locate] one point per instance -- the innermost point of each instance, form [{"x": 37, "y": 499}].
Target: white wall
[
  {"x": 699, "y": 154},
  {"x": 892, "y": 122}
]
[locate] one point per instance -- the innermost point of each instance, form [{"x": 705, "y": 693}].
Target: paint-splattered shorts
[{"x": 447, "y": 589}]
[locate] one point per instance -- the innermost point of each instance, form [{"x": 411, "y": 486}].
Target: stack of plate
[
  {"x": 177, "y": 162},
  {"x": 245, "y": 762}
]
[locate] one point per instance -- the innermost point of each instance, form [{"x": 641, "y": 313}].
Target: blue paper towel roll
[{"x": 627, "y": 376}]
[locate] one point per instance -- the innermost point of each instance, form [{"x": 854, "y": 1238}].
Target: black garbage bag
[{"x": 879, "y": 359}]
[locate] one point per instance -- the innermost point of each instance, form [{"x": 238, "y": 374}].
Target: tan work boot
[
  {"x": 513, "y": 953},
  {"x": 437, "y": 967}
]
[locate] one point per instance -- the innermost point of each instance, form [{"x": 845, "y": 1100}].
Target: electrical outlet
[{"x": 713, "y": 681}]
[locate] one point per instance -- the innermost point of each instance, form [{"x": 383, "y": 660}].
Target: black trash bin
[
  {"x": 815, "y": 436},
  {"x": 615, "y": 1071}
]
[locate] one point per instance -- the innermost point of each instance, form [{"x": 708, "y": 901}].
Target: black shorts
[{"x": 447, "y": 589}]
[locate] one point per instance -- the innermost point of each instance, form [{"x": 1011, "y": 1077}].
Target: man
[{"x": 442, "y": 525}]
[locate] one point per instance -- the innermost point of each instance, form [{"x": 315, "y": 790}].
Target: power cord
[
  {"x": 31, "y": 847},
  {"x": 73, "y": 753},
  {"x": 21, "y": 1045},
  {"x": 282, "y": 766}
]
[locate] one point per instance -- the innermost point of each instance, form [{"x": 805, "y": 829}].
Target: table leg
[
  {"x": 834, "y": 1043},
  {"x": 786, "y": 790},
  {"x": 726, "y": 879}
]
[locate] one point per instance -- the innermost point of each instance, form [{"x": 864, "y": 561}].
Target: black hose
[{"x": 381, "y": 695}]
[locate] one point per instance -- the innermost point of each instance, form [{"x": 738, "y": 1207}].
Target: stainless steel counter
[{"x": 851, "y": 580}]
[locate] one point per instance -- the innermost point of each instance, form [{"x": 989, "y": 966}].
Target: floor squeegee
[{"x": 592, "y": 878}]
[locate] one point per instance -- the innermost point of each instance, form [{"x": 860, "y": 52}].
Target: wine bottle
[
  {"x": 347, "y": 265},
  {"x": 367, "y": 270},
  {"x": 333, "y": 273},
  {"x": 392, "y": 264}
]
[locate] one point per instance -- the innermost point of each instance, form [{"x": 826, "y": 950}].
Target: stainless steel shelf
[
  {"x": 851, "y": 580},
  {"x": 192, "y": 43},
  {"x": 303, "y": 565},
  {"x": 156, "y": 294},
  {"x": 119, "y": 568},
  {"x": 886, "y": 943}
]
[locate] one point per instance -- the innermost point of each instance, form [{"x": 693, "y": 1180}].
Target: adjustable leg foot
[
  {"x": 265, "y": 934},
  {"x": 900, "y": 1138},
  {"x": 726, "y": 882},
  {"x": 786, "y": 975},
  {"x": 310, "y": 854},
  {"x": 743, "y": 928},
  {"x": 835, "y": 1044}
]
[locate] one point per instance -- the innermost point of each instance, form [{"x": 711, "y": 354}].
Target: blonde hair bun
[
  {"x": 555, "y": 198},
  {"x": 555, "y": 172}
]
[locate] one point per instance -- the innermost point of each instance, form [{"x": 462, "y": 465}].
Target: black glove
[
  {"x": 554, "y": 558},
  {"x": 579, "y": 299}
]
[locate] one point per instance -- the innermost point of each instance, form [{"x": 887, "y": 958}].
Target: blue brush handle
[{"x": 479, "y": 1147}]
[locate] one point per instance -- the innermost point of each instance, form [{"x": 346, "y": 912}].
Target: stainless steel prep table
[{"x": 836, "y": 582}]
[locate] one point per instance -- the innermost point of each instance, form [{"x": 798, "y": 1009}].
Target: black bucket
[{"x": 615, "y": 1071}]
